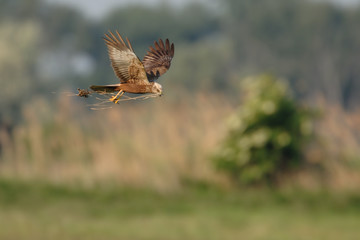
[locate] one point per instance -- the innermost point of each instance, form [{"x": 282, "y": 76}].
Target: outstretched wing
[
  {"x": 127, "y": 66},
  {"x": 158, "y": 60}
]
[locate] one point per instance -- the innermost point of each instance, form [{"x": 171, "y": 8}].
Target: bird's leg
[
  {"x": 116, "y": 98},
  {"x": 121, "y": 93}
]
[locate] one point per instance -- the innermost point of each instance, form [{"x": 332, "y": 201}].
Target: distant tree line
[{"x": 313, "y": 45}]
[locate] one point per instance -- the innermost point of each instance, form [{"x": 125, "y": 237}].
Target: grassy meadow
[{"x": 41, "y": 211}]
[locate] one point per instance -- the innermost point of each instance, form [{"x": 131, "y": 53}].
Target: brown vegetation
[
  {"x": 157, "y": 144},
  {"x": 149, "y": 144},
  {"x": 334, "y": 155}
]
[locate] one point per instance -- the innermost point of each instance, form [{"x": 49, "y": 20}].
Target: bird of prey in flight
[{"x": 135, "y": 76}]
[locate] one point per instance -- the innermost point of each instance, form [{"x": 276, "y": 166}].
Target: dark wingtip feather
[
  {"x": 121, "y": 39},
  {"x": 116, "y": 41},
  {"x": 157, "y": 46},
  {"x": 129, "y": 44},
  {"x": 161, "y": 44},
  {"x": 167, "y": 43},
  {"x": 172, "y": 50}
]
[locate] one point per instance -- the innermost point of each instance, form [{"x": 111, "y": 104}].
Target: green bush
[{"x": 266, "y": 135}]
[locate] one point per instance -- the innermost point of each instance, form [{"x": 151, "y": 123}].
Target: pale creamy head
[{"x": 157, "y": 88}]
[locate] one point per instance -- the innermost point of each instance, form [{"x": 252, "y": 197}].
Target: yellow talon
[
  {"x": 112, "y": 99},
  {"x": 115, "y": 99}
]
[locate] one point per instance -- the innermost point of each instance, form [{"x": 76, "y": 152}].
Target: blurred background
[{"x": 257, "y": 134}]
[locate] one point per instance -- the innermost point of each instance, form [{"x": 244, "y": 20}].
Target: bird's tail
[{"x": 105, "y": 88}]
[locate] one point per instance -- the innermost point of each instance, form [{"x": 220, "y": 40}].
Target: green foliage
[
  {"x": 311, "y": 43},
  {"x": 266, "y": 134},
  {"x": 18, "y": 44}
]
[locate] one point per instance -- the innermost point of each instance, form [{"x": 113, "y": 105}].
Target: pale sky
[{"x": 98, "y": 8}]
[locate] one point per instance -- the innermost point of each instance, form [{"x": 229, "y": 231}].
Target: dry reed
[
  {"x": 147, "y": 144},
  {"x": 156, "y": 144}
]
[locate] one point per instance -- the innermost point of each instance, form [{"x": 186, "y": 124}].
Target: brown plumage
[
  {"x": 136, "y": 76},
  {"x": 157, "y": 61}
]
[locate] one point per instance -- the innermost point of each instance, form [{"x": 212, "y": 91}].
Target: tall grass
[
  {"x": 334, "y": 155},
  {"x": 339, "y": 147},
  {"x": 159, "y": 144},
  {"x": 147, "y": 144}
]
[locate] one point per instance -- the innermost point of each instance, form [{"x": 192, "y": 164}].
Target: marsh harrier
[{"x": 135, "y": 76}]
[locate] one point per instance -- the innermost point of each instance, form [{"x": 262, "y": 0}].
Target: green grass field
[{"x": 43, "y": 211}]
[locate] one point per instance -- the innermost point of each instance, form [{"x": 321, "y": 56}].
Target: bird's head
[{"x": 157, "y": 88}]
